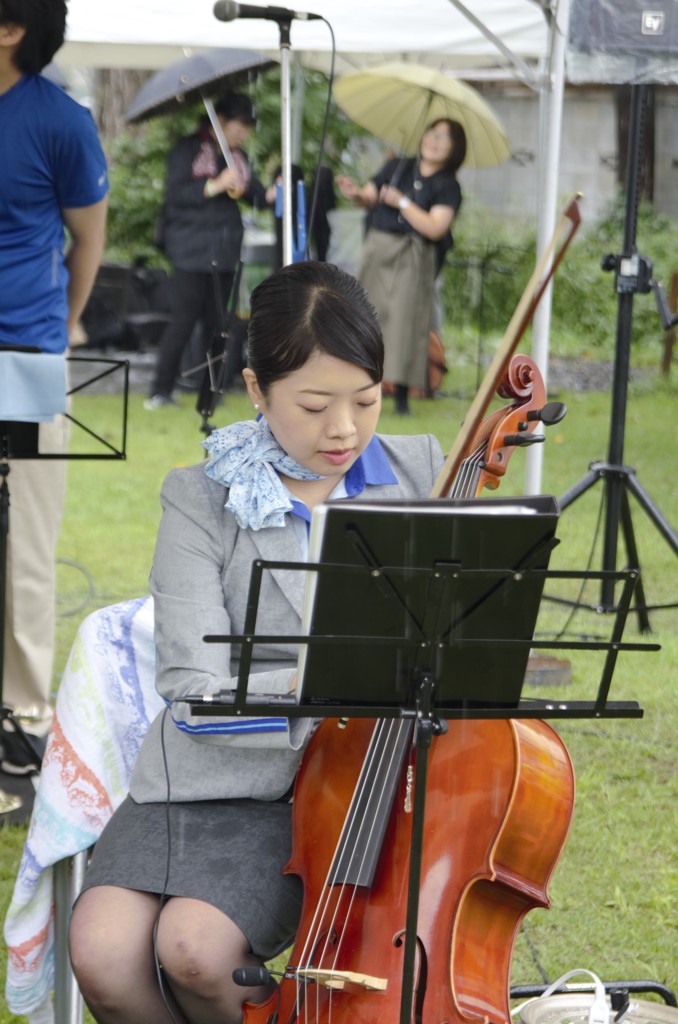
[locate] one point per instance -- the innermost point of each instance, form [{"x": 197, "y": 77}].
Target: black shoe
[{"x": 15, "y": 757}]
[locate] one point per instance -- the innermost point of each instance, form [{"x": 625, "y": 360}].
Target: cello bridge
[{"x": 343, "y": 981}]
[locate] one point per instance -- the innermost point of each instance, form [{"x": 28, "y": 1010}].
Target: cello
[{"x": 498, "y": 801}]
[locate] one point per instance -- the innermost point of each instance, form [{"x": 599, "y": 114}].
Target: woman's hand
[
  {"x": 229, "y": 181},
  {"x": 390, "y": 196},
  {"x": 365, "y": 196},
  {"x": 272, "y": 191},
  {"x": 347, "y": 187}
]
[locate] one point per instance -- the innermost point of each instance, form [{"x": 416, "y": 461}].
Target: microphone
[
  {"x": 251, "y": 977},
  {"x": 228, "y": 10}
]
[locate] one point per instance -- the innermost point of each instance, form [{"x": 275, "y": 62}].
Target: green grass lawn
[{"x": 614, "y": 893}]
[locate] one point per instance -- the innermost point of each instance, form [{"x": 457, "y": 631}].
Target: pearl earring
[{"x": 256, "y": 406}]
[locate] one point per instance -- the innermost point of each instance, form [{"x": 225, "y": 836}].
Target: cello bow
[{"x": 544, "y": 270}]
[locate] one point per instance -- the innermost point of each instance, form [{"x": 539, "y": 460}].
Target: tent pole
[
  {"x": 551, "y": 101},
  {"x": 286, "y": 141},
  {"x": 551, "y": 92}
]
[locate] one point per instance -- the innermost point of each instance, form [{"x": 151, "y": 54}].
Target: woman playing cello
[{"x": 186, "y": 881}]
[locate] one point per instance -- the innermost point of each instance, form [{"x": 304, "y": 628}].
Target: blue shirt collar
[{"x": 372, "y": 467}]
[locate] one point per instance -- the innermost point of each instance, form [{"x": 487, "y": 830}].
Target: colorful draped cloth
[{"x": 106, "y": 701}]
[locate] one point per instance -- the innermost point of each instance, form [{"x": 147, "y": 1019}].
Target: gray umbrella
[
  {"x": 191, "y": 79},
  {"x": 194, "y": 78}
]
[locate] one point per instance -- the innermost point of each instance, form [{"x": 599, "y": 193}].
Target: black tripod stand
[{"x": 633, "y": 274}]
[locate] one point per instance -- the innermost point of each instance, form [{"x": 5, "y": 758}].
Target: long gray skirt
[
  {"x": 398, "y": 273},
  {"x": 228, "y": 853}
]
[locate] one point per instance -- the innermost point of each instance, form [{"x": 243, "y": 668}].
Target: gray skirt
[
  {"x": 228, "y": 853},
  {"x": 398, "y": 273}
]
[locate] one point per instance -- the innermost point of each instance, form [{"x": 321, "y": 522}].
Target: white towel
[{"x": 32, "y": 386}]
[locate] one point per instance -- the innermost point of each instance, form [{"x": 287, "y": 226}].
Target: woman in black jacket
[{"x": 202, "y": 233}]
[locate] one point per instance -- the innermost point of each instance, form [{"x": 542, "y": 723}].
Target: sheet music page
[{"x": 410, "y": 538}]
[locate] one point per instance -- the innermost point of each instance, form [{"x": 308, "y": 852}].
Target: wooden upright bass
[{"x": 499, "y": 797}]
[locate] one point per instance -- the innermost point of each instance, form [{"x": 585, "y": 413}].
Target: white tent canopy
[
  {"x": 527, "y": 37},
  {"x": 152, "y": 33}
]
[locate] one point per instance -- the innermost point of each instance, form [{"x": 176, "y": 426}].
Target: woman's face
[
  {"x": 436, "y": 144},
  {"x": 236, "y": 132},
  {"x": 324, "y": 414}
]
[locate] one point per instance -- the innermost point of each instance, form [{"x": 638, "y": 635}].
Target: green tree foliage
[{"x": 494, "y": 258}]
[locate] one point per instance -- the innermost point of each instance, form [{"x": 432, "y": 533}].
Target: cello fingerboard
[{"x": 360, "y": 846}]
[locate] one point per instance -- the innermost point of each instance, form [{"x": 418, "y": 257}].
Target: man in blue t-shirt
[
  {"x": 53, "y": 181},
  {"x": 52, "y": 174}
]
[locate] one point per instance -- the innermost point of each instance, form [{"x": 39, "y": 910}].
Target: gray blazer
[{"x": 199, "y": 581}]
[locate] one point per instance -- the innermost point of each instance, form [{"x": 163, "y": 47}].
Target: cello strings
[
  {"x": 310, "y": 950},
  {"x": 353, "y": 816},
  {"x": 386, "y": 756},
  {"x": 469, "y": 471},
  {"x": 315, "y": 928},
  {"x": 346, "y": 825},
  {"x": 378, "y": 749}
]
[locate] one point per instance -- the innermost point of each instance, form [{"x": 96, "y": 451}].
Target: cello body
[{"x": 499, "y": 800}]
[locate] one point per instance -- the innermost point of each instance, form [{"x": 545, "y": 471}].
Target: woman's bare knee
[
  {"x": 110, "y": 943},
  {"x": 197, "y": 945},
  {"x": 199, "y": 948}
]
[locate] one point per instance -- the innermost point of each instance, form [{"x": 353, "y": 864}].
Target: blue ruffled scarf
[{"x": 246, "y": 458}]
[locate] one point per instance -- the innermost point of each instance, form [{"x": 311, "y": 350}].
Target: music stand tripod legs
[{"x": 633, "y": 274}]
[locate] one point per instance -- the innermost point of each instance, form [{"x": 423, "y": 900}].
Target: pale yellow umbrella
[{"x": 398, "y": 100}]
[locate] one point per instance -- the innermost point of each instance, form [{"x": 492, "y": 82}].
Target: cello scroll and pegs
[
  {"x": 549, "y": 415},
  {"x": 508, "y": 428}
]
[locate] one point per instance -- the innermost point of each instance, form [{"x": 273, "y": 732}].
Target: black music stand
[
  {"x": 19, "y": 439},
  {"x": 436, "y": 579},
  {"x": 432, "y": 578}
]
